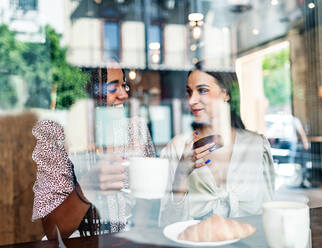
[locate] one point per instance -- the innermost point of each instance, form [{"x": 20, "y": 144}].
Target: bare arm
[
  {"x": 186, "y": 165},
  {"x": 60, "y": 205},
  {"x": 304, "y": 138},
  {"x": 66, "y": 217}
]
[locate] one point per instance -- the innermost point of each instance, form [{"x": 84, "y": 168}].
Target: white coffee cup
[
  {"x": 148, "y": 177},
  {"x": 286, "y": 224}
]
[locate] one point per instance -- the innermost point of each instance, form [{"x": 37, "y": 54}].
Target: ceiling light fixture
[
  {"x": 132, "y": 74},
  {"x": 193, "y": 47},
  {"x": 195, "y": 60},
  {"x": 255, "y": 31},
  {"x": 195, "y": 17},
  {"x": 196, "y": 32},
  {"x": 155, "y": 58},
  {"x": 311, "y": 5},
  {"x": 195, "y": 23}
]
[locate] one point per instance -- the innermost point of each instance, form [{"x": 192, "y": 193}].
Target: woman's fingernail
[
  {"x": 197, "y": 132},
  {"x": 207, "y": 162},
  {"x": 212, "y": 149}
]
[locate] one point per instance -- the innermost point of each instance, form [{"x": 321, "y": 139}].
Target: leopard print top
[
  {"x": 56, "y": 176},
  {"x": 54, "y": 169}
]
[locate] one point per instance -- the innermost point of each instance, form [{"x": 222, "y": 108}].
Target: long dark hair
[
  {"x": 101, "y": 75},
  {"x": 229, "y": 82}
]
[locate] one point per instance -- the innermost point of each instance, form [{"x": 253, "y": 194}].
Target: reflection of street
[
  {"x": 291, "y": 158},
  {"x": 293, "y": 174},
  {"x": 280, "y": 152}
]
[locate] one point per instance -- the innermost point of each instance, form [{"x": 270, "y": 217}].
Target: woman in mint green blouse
[{"x": 231, "y": 176}]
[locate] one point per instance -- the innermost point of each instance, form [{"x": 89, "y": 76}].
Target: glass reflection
[{"x": 101, "y": 82}]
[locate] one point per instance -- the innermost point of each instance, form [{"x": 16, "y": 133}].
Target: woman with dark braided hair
[
  {"x": 62, "y": 201},
  {"x": 220, "y": 167}
]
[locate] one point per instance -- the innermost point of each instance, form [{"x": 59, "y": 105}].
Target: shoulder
[
  {"x": 250, "y": 136},
  {"x": 48, "y": 129},
  {"x": 256, "y": 148},
  {"x": 297, "y": 123},
  {"x": 176, "y": 145},
  {"x": 136, "y": 121},
  {"x": 253, "y": 139},
  {"x": 180, "y": 139}
]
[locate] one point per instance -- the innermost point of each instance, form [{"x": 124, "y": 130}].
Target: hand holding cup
[{"x": 108, "y": 176}]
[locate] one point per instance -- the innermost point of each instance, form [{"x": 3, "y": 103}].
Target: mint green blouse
[{"x": 249, "y": 182}]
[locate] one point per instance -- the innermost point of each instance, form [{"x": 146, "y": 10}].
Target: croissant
[{"x": 216, "y": 228}]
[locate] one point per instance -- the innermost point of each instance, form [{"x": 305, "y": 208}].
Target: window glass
[
  {"x": 111, "y": 40},
  {"x": 89, "y": 88},
  {"x": 155, "y": 44}
]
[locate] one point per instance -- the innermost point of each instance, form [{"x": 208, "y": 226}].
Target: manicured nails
[
  {"x": 212, "y": 149},
  {"x": 197, "y": 132},
  {"x": 208, "y": 161}
]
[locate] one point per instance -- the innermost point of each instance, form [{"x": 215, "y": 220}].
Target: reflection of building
[
  {"x": 29, "y": 17},
  {"x": 156, "y": 38},
  {"x": 119, "y": 30},
  {"x": 153, "y": 34}
]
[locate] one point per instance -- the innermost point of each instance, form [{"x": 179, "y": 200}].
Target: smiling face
[
  {"x": 203, "y": 91},
  {"x": 116, "y": 87}
]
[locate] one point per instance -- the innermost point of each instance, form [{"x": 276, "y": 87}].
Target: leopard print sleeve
[{"x": 55, "y": 176}]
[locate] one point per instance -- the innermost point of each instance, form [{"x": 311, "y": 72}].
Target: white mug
[
  {"x": 286, "y": 224},
  {"x": 148, "y": 177}
]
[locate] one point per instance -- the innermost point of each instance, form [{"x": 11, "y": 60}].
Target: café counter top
[{"x": 153, "y": 237}]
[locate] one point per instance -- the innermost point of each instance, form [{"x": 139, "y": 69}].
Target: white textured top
[{"x": 249, "y": 182}]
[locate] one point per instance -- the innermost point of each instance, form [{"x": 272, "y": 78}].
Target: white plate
[{"x": 172, "y": 232}]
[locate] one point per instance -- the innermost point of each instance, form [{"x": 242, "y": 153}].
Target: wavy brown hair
[{"x": 229, "y": 82}]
